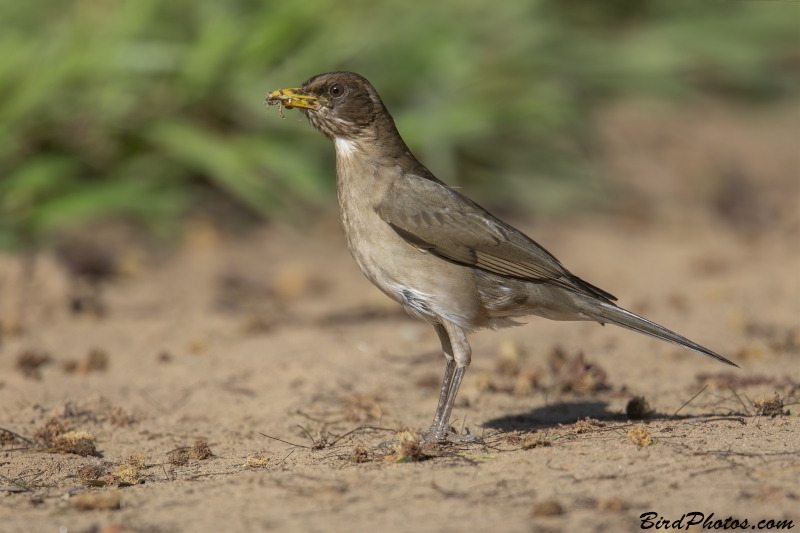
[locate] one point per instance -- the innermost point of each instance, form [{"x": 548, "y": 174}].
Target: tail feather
[{"x": 607, "y": 312}]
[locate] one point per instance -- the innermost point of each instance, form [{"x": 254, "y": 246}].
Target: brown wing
[{"x": 434, "y": 217}]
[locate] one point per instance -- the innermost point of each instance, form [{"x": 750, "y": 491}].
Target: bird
[{"x": 424, "y": 244}]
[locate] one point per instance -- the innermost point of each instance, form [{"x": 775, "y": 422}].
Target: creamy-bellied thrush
[{"x": 443, "y": 257}]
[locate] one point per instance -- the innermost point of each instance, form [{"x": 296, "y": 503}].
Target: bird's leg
[
  {"x": 457, "y": 364},
  {"x": 449, "y": 370}
]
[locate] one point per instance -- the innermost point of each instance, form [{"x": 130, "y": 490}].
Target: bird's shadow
[{"x": 553, "y": 414}]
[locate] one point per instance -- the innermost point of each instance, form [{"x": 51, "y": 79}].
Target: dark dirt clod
[
  {"x": 359, "y": 455},
  {"x": 638, "y": 408},
  {"x": 76, "y": 442},
  {"x": 178, "y": 457},
  {"x": 90, "y": 473},
  {"x": 200, "y": 451},
  {"x": 29, "y": 361},
  {"x": 768, "y": 405},
  {"x": 82, "y": 447}
]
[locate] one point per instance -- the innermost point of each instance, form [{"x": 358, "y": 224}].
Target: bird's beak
[{"x": 292, "y": 98}]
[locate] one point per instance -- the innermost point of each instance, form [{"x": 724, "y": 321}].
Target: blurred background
[{"x": 151, "y": 112}]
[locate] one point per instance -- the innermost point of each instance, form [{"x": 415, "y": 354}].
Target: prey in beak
[{"x": 292, "y": 98}]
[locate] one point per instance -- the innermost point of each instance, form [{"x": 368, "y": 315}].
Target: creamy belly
[{"x": 427, "y": 286}]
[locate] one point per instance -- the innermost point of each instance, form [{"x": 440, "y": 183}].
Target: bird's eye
[{"x": 336, "y": 90}]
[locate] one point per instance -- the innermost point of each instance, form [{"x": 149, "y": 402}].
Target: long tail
[{"x": 608, "y": 312}]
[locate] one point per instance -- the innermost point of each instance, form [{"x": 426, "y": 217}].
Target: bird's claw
[{"x": 435, "y": 434}]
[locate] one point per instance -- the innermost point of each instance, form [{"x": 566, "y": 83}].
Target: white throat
[{"x": 344, "y": 147}]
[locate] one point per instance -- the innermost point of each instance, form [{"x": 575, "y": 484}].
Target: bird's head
[{"x": 339, "y": 104}]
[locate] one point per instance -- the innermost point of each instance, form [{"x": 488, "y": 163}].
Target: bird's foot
[
  {"x": 448, "y": 434},
  {"x": 437, "y": 435}
]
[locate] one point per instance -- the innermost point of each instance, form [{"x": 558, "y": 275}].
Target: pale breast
[{"x": 427, "y": 286}]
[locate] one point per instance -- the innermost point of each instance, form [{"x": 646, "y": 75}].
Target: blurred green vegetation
[{"x": 149, "y": 108}]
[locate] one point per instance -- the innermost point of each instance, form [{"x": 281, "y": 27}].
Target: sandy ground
[{"x": 280, "y": 335}]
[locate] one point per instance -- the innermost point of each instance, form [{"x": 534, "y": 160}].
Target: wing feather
[{"x": 438, "y": 219}]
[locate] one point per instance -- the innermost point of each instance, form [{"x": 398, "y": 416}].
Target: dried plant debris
[
  {"x": 585, "y": 425},
  {"x": 640, "y": 436},
  {"x": 90, "y": 473},
  {"x": 537, "y": 440},
  {"x": 8, "y": 437},
  {"x": 406, "y": 448},
  {"x": 257, "y": 460},
  {"x": 50, "y": 430},
  {"x": 200, "y": 451},
  {"x": 127, "y": 474},
  {"x": 117, "y": 416},
  {"x": 30, "y": 361},
  {"x": 320, "y": 442},
  {"x": 98, "y": 501},
  {"x": 77, "y": 442},
  {"x": 638, "y": 408},
  {"x": 137, "y": 460},
  {"x": 768, "y": 405},
  {"x": 95, "y": 361},
  {"x": 179, "y": 457},
  {"x": 564, "y": 373},
  {"x": 575, "y": 374},
  {"x": 547, "y": 508},
  {"x": 512, "y": 439},
  {"x": 359, "y": 454}
]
